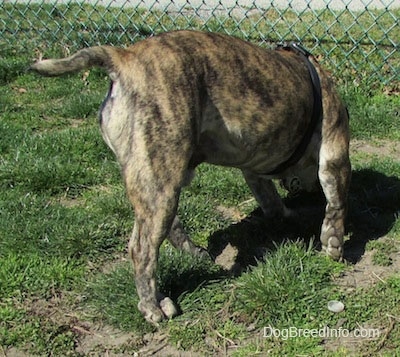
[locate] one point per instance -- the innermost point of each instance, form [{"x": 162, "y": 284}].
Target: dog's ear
[{"x": 98, "y": 56}]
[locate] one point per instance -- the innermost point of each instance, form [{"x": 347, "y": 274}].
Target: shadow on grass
[{"x": 374, "y": 206}]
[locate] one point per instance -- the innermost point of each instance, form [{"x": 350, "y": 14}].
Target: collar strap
[{"x": 317, "y": 108}]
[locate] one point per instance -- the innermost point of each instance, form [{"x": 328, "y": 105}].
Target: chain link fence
[{"x": 357, "y": 39}]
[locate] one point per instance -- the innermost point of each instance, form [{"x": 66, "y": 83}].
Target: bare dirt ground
[
  {"x": 377, "y": 147},
  {"x": 363, "y": 274},
  {"x": 96, "y": 339}
]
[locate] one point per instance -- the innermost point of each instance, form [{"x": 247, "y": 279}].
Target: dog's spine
[{"x": 99, "y": 56}]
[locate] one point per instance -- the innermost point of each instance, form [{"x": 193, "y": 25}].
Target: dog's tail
[{"x": 98, "y": 56}]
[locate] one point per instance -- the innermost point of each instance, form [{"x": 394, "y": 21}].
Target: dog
[{"x": 182, "y": 98}]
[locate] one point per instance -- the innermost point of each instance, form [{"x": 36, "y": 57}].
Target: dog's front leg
[
  {"x": 334, "y": 169},
  {"x": 266, "y": 196},
  {"x": 180, "y": 240},
  {"x": 334, "y": 177}
]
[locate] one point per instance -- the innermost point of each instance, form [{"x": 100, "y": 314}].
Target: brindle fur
[{"x": 185, "y": 97}]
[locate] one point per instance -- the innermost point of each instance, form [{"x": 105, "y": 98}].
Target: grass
[
  {"x": 374, "y": 114},
  {"x": 298, "y": 292},
  {"x": 65, "y": 220}
]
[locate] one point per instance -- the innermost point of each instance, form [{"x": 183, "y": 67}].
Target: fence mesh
[{"x": 356, "y": 39}]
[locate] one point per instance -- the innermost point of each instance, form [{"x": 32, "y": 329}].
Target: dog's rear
[{"x": 152, "y": 185}]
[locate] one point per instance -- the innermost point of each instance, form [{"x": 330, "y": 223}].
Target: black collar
[{"x": 317, "y": 108}]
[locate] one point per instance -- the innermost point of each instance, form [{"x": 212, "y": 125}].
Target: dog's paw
[
  {"x": 155, "y": 314},
  {"x": 152, "y": 314},
  {"x": 334, "y": 249}
]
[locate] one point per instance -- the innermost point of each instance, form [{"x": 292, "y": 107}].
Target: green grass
[
  {"x": 65, "y": 219},
  {"x": 373, "y": 114},
  {"x": 274, "y": 296}
]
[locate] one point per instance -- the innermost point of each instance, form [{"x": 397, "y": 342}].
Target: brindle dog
[{"x": 182, "y": 98}]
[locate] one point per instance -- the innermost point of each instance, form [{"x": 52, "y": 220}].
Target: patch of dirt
[
  {"x": 156, "y": 344},
  {"x": 70, "y": 202},
  {"x": 227, "y": 259},
  {"x": 233, "y": 214},
  {"x": 72, "y": 196},
  {"x": 386, "y": 148},
  {"x": 103, "y": 340},
  {"x": 366, "y": 273},
  {"x": 353, "y": 344}
]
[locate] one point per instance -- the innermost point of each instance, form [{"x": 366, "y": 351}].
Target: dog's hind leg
[
  {"x": 155, "y": 209},
  {"x": 154, "y": 172},
  {"x": 143, "y": 250}
]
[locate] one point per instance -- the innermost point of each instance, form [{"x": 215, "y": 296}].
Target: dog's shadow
[{"x": 374, "y": 206}]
